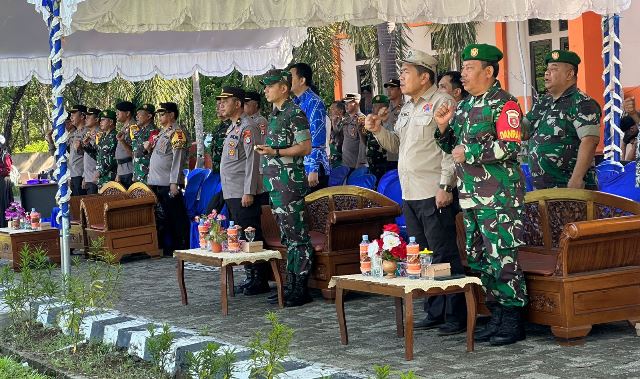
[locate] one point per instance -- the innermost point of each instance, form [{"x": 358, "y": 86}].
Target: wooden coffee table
[
  {"x": 404, "y": 290},
  {"x": 12, "y": 241},
  {"x": 226, "y": 261}
]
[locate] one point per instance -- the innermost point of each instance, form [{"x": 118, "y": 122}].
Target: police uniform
[
  {"x": 376, "y": 155},
  {"x": 492, "y": 197},
  {"x": 556, "y": 126},
  {"x": 105, "y": 151},
  {"x": 139, "y": 134},
  {"x": 89, "y": 157},
  {"x": 261, "y": 122},
  {"x": 394, "y": 112},
  {"x": 165, "y": 168},
  {"x": 353, "y": 144},
  {"x": 286, "y": 181},
  {"x": 123, "y": 156},
  {"x": 76, "y": 155}
]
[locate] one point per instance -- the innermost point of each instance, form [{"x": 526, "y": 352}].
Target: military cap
[
  {"x": 481, "y": 52},
  {"x": 420, "y": 58},
  {"x": 252, "y": 95},
  {"x": 126, "y": 106},
  {"x": 276, "y": 76},
  {"x": 77, "y": 108},
  {"x": 168, "y": 107},
  {"x": 351, "y": 97},
  {"x": 236, "y": 92},
  {"x": 94, "y": 111},
  {"x": 108, "y": 113},
  {"x": 147, "y": 107},
  {"x": 392, "y": 83},
  {"x": 562, "y": 56},
  {"x": 380, "y": 99},
  {"x": 626, "y": 123}
]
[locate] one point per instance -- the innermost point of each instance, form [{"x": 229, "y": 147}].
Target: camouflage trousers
[
  {"x": 493, "y": 237},
  {"x": 288, "y": 209}
]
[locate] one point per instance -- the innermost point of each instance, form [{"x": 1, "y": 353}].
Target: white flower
[
  {"x": 390, "y": 241},
  {"x": 372, "y": 251}
]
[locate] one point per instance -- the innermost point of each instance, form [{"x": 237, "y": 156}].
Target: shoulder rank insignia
[
  {"x": 133, "y": 130},
  {"x": 246, "y": 136},
  {"x": 178, "y": 140}
]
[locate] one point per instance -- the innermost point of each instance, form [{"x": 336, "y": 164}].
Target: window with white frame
[{"x": 544, "y": 36}]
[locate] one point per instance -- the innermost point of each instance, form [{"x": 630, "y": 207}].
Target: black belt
[{"x": 125, "y": 160}]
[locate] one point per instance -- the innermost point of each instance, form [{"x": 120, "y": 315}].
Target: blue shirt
[{"x": 314, "y": 109}]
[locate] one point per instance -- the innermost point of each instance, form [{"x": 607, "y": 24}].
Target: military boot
[
  {"x": 300, "y": 293},
  {"x": 259, "y": 284},
  {"x": 511, "y": 329},
  {"x": 288, "y": 288},
  {"x": 249, "y": 274},
  {"x": 492, "y": 326}
]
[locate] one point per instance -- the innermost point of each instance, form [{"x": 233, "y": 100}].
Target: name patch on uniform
[
  {"x": 508, "y": 125},
  {"x": 428, "y": 107},
  {"x": 246, "y": 136}
]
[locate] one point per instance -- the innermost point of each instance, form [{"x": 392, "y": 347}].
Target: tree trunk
[
  {"x": 197, "y": 115},
  {"x": 8, "y": 125},
  {"x": 24, "y": 122},
  {"x": 387, "y": 52}
]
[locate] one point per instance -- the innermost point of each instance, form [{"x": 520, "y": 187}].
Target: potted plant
[
  {"x": 391, "y": 247},
  {"x": 13, "y": 214},
  {"x": 216, "y": 233}
]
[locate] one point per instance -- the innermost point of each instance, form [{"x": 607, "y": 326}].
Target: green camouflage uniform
[
  {"x": 376, "y": 155},
  {"x": 285, "y": 180},
  {"x": 555, "y": 128},
  {"x": 141, "y": 156},
  {"x": 106, "y": 157},
  {"x": 335, "y": 143},
  {"x": 217, "y": 144},
  {"x": 491, "y": 192}
]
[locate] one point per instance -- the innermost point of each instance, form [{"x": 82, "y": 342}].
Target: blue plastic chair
[
  {"x": 618, "y": 180},
  {"x": 338, "y": 176},
  {"x": 211, "y": 186},
  {"x": 389, "y": 186},
  {"x": 366, "y": 181},
  {"x": 388, "y": 177},
  {"x": 194, "y": 236},
  {"x": 359, "y": 172},
  {"x": 194, "y": 182},
  {"x": 528, "y": 180}
]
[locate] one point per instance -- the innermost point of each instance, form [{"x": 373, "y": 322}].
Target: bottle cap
[
  {"x": 231, "y": 224},
  {"x": 412, "y": 239},
  {"x": 365, "y": 237}
]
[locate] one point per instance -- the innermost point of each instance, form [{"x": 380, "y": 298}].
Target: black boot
[
  {"x": 300, "y": 293},
  {"x": 288, "y": 287},
  {"x": 259, "y": 284},
  {"x": 492, "y": 326},
  {"x": 250, "y": 273},
  {"x": 511, "y": 329}
]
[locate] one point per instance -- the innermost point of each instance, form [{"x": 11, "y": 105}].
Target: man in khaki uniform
[
  {"x": 125, "y": 113},
  {"x": 353, "y": 145},
  {"x": 92, "y": 126},
  {"x": 427, "y": 179},
  {"x": 76, "y": 154},
  {"x": 396, "y": 102}
]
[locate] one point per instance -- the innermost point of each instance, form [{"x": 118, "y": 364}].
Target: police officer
[
  {"x": 451, "y": 84},
  {"x": 337, "y": 116},
  {"x": 376, "y": 155},
  {"x": 165, "y": 173},
  {"x": 353, "y": 147},
  {"x": 564, "y": 128},
  {"x": 92, "y": 126},
  {"x": 125, "y": 112},
  {"x": 426, "y": 176},
  {"x": 483, "y": 135},
  {"x": 139, "y": 135},
  {"x": 105, "y": 146},
  {"x": 288, "y": 141},
  {"x": 219, "y": 136},
  {"x": 76, "y": 160},
  {"x": 252, "y": 109},
  {"x": 396, "y": 102}
]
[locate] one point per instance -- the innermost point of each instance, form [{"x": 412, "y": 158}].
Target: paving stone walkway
[{"x": 151, "y": 291}]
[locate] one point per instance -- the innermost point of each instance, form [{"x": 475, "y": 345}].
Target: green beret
[
  {"x": 276, "y": 76},
  {"x": 380, "y": 99},
  {"x": 563, "y": 56},
  {"x": 147, "y": 107},
  {"x": 108, "y": 113},
  {"x": 481, "y": 52}
]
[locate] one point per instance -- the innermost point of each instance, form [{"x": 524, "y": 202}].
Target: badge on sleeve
[
  {"x": 133, "y": 130},
  {"x": 263, "y": 129},
  {"x": 99, "y": 137},
  {"x": 508, "y": 125},
  {"x": 178, "y": 140},
  {"x": 428, "y": 107},
  {"x": 246, "y": 136},
  {"x": 232, "y": 152}
]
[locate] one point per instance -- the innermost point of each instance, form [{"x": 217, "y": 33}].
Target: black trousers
[
  {"x": 246, "y": 216},
  {"x": 126, "y": 180},
  {"x": 172, "y": 220},
  {"x": 76, "y": 186},
  {"x": 436, "y": 229},
  {"x": 92, "y": 188}
]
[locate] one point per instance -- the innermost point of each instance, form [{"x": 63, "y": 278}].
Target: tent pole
[
  {"x": 60, "y": 132},
  {"x": 612, "y": 87}
]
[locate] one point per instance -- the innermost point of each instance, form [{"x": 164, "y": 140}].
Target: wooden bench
[
  {"x": 124, "y": 218},
  {"x": 337, "y": 218}
]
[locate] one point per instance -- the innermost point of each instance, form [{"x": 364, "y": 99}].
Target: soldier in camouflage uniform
[
  {"x": 288, "y": 141},
  {"x": 139, "y": 134},
  {"x": 563, "y": 128},
  {"x": 483, "y": 135},
  {"x": 106, "y": 148},
  {"x": 376, "y": 155}
]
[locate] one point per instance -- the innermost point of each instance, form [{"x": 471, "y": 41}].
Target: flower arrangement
[
  {"x": 390, "y": 246},
  {"x": 14, "y": 211},
  {"x": 213, "y": 223}
]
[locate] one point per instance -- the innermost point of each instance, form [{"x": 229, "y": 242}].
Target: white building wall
[{"x": 630, "y": 45}]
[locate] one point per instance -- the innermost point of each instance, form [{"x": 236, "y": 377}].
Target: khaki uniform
[
  {"x": 89, "y": 160},
  {"x": 168, "y": 157},
  {"x": 239, "y": 164},
  {"x": 353, "y": 147},
  {"x": 76, "y": 156},
  {"x": 390, "y": 124},
  {"x": 124, "y": 159}
]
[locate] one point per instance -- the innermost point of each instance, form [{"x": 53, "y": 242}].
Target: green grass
[{"x": 10, "y": 369}]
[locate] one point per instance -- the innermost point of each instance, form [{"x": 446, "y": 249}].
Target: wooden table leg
[
  {"x": 183, "y": 289},
  {"x": 223, "y": 289},
  {"x": 471, "y": 314},
  {"x": 278, "y": 278},
  {"x": 399, "y": 320},
  {"x": 408, "y": 326},
  {"x": 230, "y": 282},
  {"x": 342, "y": 321}
]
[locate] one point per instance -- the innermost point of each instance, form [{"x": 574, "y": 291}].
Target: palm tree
[
  {"x": 393, "y": 43},
  {"x": 450, "y": 39}
]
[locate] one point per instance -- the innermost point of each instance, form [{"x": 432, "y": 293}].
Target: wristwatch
[
  {"x": 278, "y": 153},
  {"x": 446, "y": 187}
]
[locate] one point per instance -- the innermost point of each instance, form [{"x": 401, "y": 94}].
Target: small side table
[
  {"x": 12, "y": 241},
  {"x": 226, "y": 261},
  {"x": 404, "y": 290}
]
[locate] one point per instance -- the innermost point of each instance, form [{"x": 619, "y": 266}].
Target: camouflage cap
[
  {"x": 562, "y": 56},
  {"x": 380, "y": 99},
  {"x": 77, "y": 108},
  {"x": 481, "y": 52},
  {"x": 351, "y": 97},
  {"x": 276, "y": 76},
  {"x": 420, "y": 58},
  {"x": 108, "y": 113},
  {"x": 93, "y": 111},
  {"x": 147, "y": 107}
]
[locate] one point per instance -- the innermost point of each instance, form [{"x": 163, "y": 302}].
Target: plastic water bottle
[
  {"x": 365, "y": 261},
  {"x": 232, "y": 237},
  {"x": 413, "y": 259}
]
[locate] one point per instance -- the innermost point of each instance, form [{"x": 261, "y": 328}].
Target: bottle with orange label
[
  {"x": 365, "y": 261},
  {"x": 413, "y": 259},
  {"x": 35, "y": 219},
  {"x": 233, "y": 243}
]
